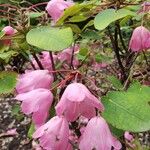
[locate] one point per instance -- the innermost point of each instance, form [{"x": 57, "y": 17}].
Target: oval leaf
[
  {"x": 8, "y": 82},
  {"x": 129, "y": 110},
  {"x": 106, "y": 17},
  {"x": 50, "y": 39}
]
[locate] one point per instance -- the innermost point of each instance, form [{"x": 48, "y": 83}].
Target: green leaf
[
  {"x": 35, "y": 14},
  {"x": 90, "y": 23},
  {"x": 75, "y": 10},
  {"x": 74, "y": 28},
  {"x": 2, "y": 34},
  {"x": 115, "y": 82},
  {"x": 116, "y": 132},
  {"x": 78, "y": 18},
  {"x": 8, "y": 81},
  {"x": 50, "y": 39},
  {"x": 83, "y": 51},
  {"x": 7, "y": 55},
  {"x": 69, "y": 12},
  {"x": 90, "y": 34},
  {"x": 102, "y": 58},
  {"x": 128, "y": 110},
  {"x": 31, "y": 130},
  {"x": 106, "y": 17}
]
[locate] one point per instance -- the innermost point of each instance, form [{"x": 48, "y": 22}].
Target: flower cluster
[
  {"x": 76, "y": 105},
  {"x": 77, "y": 121}
]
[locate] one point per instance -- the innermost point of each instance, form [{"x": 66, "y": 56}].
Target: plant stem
[
  {"x": 121, "y": 38},
  {"x": 72, "y": 57},
  {"x": 53, "y": 65},
  {"x": 116, "y": 50},
  {"x": 38, "y": 61},
  {"x": 146, "y": 60}
]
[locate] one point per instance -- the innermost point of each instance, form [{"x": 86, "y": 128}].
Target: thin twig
[
  {"x": 121, "y": 38},
  {"x": 72, "y": 57},
  {"x": 38, "y": 61},
  {"x": 116, "y": 50},
  {"x": 4, "y": 11},
  {"x": 9, "y": 18},
  {"x": 146, "y": 60},
  {"x": 38, "y": 4},
  {"x": 53, "y": 65}
]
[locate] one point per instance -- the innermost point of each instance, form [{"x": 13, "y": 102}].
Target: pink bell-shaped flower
[
  {"x": 8, "y": 30},
  {"x": 54, "y": 134},
  {"x": 55, "y": 8},
  {"x": 36, "y": 102},
  {"x": 98, "y": 136},
  {"x": 34, "y": 80},
  {"x": 140, "y": 39},
  {"x": 77, "y": 100}
]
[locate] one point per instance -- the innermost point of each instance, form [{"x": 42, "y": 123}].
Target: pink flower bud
[
  {"x": 54, "y": 134},
  {"x": 55, "y": 8},
  {"x": 34, "y": 80},
  {"x": 36, "y": 102},
  {"x": 8, "y": 30},
  {"x": 98, "y": 136},
  {"x": 77, "y": 100},
  {"x": 140, "y": 39}
]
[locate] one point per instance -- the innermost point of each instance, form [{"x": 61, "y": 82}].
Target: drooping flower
[
  {"x": 34, "y": 80},
  {"x": 98, "y": 136},
  {"x": 54, "y": 134},
  {"x": 36, "y": 102},
  {"x": 55, "y": 8},
  {"x": 8, "y": 30},
  {"x": 77, "y": 100},
  {"x": 140, "y": 39}
]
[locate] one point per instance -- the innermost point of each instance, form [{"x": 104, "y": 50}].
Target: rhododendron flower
[
  {"x": 34, "y": 80},
  {"x": 140, "y": 39},
  {"x": 128, "y": 136},
  {"x": 54, "y": 134},
  {"x": 55, "y": 8},
  {"x": 8, "y": 30},
  {"x": 36, "y": 102},
  {"x": 77, "y": 100},
  {"x": 98, "y": 136}
]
